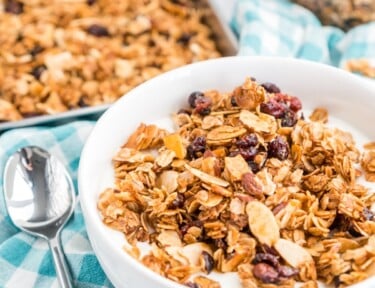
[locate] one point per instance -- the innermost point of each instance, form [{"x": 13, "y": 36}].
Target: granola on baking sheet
[
  {"x": 246, "y": 184},
  {"x": 58, "y": 55}
]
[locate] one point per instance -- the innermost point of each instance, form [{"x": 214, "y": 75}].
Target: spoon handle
[{"x": 62, "y": 270}]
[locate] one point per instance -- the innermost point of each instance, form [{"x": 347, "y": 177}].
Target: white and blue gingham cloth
[
  {"x": 25, "y": 261},
  {"x": 281, "y": 28},
  {"x": 272, "y": 27}
]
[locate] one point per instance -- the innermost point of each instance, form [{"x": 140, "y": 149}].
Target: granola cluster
[
  {"x": 246, "y": 184},
  {"x": 68, "y": 54},
  {"x": 345, "y": 14}
]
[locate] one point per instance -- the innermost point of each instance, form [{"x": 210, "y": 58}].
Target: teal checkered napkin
[
  {"x": 25, "y": 261},
  {"x": 281, "y": 28}
]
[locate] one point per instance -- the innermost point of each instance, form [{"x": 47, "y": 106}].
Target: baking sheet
[{"x": 226, "y": 42}]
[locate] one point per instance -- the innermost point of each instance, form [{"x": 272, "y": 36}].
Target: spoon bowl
[{"x": 39, "y": 196}]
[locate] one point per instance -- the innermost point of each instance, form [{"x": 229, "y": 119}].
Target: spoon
[{"x": 39, "y": 196}]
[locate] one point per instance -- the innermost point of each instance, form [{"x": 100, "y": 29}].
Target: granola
[
  {"x": 61, "y": 55},
  {"x": 246, "y": 184}
]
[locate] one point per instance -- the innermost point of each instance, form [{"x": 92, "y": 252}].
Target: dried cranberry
[
  {"x": 273, "y": 108},
  {"x": 289, "y": 119},
  {"x": 197, "y": 147},
  {"x": 38, "y": 70},
  {"x": 249, "y": 153},
  {"x": 13, "y": 7},
  {"x": 209, "y": 262},
  {"x": 194, "y": 96},
  {"x": 178, "y": 202},
  {"x": 247, "y": 141},
  {"x": 278, "y": 148},
  {"x": 203, "y": 106},
  {"x": 271, "y": 87},
  {"x": 295, "y": 104},
  {"x": 98, "y": 30},
  {"x": 268, "y": 258},
  {"x": 266, "y": 273}
]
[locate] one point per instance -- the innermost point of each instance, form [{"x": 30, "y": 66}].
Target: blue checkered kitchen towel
[
  {"x": 272, "y": 27},
  {"x": 25, "y": 261}
]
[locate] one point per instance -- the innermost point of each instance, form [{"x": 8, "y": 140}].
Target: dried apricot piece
[{"x": 174, "y": 142}]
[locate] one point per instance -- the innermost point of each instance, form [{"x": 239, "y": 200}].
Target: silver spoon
[{"x": 39, "y": 195}]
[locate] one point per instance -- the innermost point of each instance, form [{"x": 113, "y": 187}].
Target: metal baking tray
[{"x": 227, "y": 44}]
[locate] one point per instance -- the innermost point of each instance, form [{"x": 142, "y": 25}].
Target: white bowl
[{"x": 348, "y": 98}]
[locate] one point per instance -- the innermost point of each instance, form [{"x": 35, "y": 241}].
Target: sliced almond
[
  {"x": 207, "y": 178},
  {"x": 293, "y": 253},
  {"x": 262, "y": 223},
  {"x": 224, "y": 134}
]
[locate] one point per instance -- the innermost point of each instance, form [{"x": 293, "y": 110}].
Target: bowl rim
[{"x": 89, "y": 211}]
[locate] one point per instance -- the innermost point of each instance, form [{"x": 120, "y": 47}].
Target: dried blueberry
[
  {"x": 38, "y": 70},
  {"x": 233, "y": 101},
  {"x": 13, "y": 7},
  {"x": 196, "y": 148},
  {"x": 273, "y": 108},
  {"x": 98, "y": 30},
  {"x": 271, "y": 87},
  {"x": 193, "y": 97},
  {"x": 278, "y": 148}
]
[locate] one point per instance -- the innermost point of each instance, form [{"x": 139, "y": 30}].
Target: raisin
[
  {"x": 98, "y": 30},
  {"x": 233, "y": 101},
  {"x": 249, "y": 153},
  {"x": 184, "y": 39},
  {"x": 178, "y": 202},
  {"x": 289, "y": 119},
  {"x": 247, "y": 141},
  {"x": 36, "y": 50},
  {"x": 273, "y": 108},
  {"x": 185, "y": 227},
  {"x": 220, "y": 244},
  {"x": 266, "y": 273},
  {"x": 253, "y": 166},
  {"x": 90, "y": 2},
  {"x": 271, "y": 87},
  {"x": 209, "y": 262},
  {"x": 278, "y": 148},
  {"x": 13, "y": 7},
  {"x": 197, "y": 147},
  {"x": 194, "y": 96},
  {"x": 268, "y": 258},
  {"x": 38, "y": 70}
]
